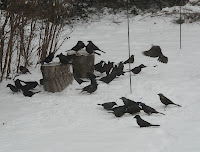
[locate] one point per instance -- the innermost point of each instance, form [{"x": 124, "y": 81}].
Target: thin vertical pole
[
  {"x": 129, "y": 45},
  {"x": 180, "y": 25}
]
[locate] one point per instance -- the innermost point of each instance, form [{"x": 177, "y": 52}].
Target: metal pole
[
  {"x": 129, "y": 46},
  {"x": 180, "y": 25}
]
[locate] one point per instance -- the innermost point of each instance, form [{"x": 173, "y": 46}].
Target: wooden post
[
  {"x": 82, "y": 65},
  {"x": 56, "y": 76}
]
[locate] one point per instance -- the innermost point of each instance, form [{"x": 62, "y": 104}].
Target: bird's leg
[{"x": 165, "y": 107}]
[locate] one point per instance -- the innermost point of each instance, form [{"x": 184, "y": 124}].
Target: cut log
[
  {"x": 56, "y": 76},
  {"x": 82, "y": 65}
]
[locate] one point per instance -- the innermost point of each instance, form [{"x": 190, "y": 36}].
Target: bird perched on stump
[
  {"x": 108, "y": 105},
  {"x": 166, "y": 101},
  {"x": 137, "y": 69},
  {"x": 63, "y": 59},
  {"x": 130, "y": 60},
  {"x": 13, "y": 88},
  {"x": 48, "y": 59},
  {"x": 24, "y": 70},
  {"x": 80, "y": 45},
  {"x": 91, "y": 48},
  {"x": 143, "y": 123},
  {"x": 154, "y": 52}
]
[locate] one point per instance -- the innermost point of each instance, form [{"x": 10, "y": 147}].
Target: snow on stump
[
  {"x": 56, "y": 76},
  {"x": 82, "y": 65}
]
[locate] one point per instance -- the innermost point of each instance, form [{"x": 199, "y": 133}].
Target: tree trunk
[
  {"x": 56, "y": 77},
  {"x": 82, "y": 65}
]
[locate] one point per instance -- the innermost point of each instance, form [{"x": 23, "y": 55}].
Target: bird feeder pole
[
  {"x": 180, "y": 24},
  {"x": 129, "y": 44}
]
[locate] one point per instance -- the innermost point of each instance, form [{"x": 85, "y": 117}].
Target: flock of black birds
[
  {"x": 24, "y": 86},
  {"x": 111, "y": 70},
  {"x": 132, "y": 107}
]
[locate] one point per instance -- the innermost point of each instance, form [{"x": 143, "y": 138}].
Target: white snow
[{"x": 73, "y": 122}]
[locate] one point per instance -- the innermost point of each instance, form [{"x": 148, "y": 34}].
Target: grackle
[
  {"x": 166, "y": 101},
  {"x": 143, "y": 123}
]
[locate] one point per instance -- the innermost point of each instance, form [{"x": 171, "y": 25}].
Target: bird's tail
[
  {"x": 163, "y": 59},
  {"x": 155, "y": 125},
  {"x": 37, "y": 92},
  {"x": 177, "y": 105},
  {"x": 84, "y": 81},
  {"x": 97, "y": 53},
  {"x": 110, "y": 112},
  {"x": 161, "y": 113},
  {"x": 101, "y": 51}
]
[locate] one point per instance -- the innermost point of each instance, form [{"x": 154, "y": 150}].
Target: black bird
[
  {"x": 90, "y": 88},
  {"x": 143, "y": 123},
  {"x": 108, "y": 105},
  {"x": 130, "y": 60},
  {"x": 128, "y": 102},
  {"x": 133, "y": 109},
  {"x": 91, "y": 76},
  {"x": 29, "y": 93},
  {"x": 123, "y": 107},
  {"x": 91, "y": 48},
  {"x": 99, "y": 65},
  {"x": 119, "y": 69},
  {"x": 149, "y": 110},
  {"x": 48, "y": 59},
  {"x": 78, "y": 79},
  {"x": 166, "y": 101},
  {"x": 28, "y": 85},
  {"x": 80, "y": 45},
  {"x": 13, "y": 88},
  {"x": 107, "y": 79},
  {"x": 118, "y": 112},
  {"x": 107, "y": 67},
  {"x": 154, "y": 52},
  {"x": 32, "y": 84},
  {"x": 63, "y": 59},
  {"x": 24, "y": 70},
  {"x": 18, "y": 84},
  {"x": 138, "y": 69}
]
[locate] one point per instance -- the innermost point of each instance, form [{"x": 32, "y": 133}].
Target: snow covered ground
[{"x": 73, "y": 122}]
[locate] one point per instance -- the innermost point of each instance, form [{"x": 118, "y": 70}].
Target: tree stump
[
  {"x": 56, "y": 76},
  {"x": 82, "y": 65}
]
